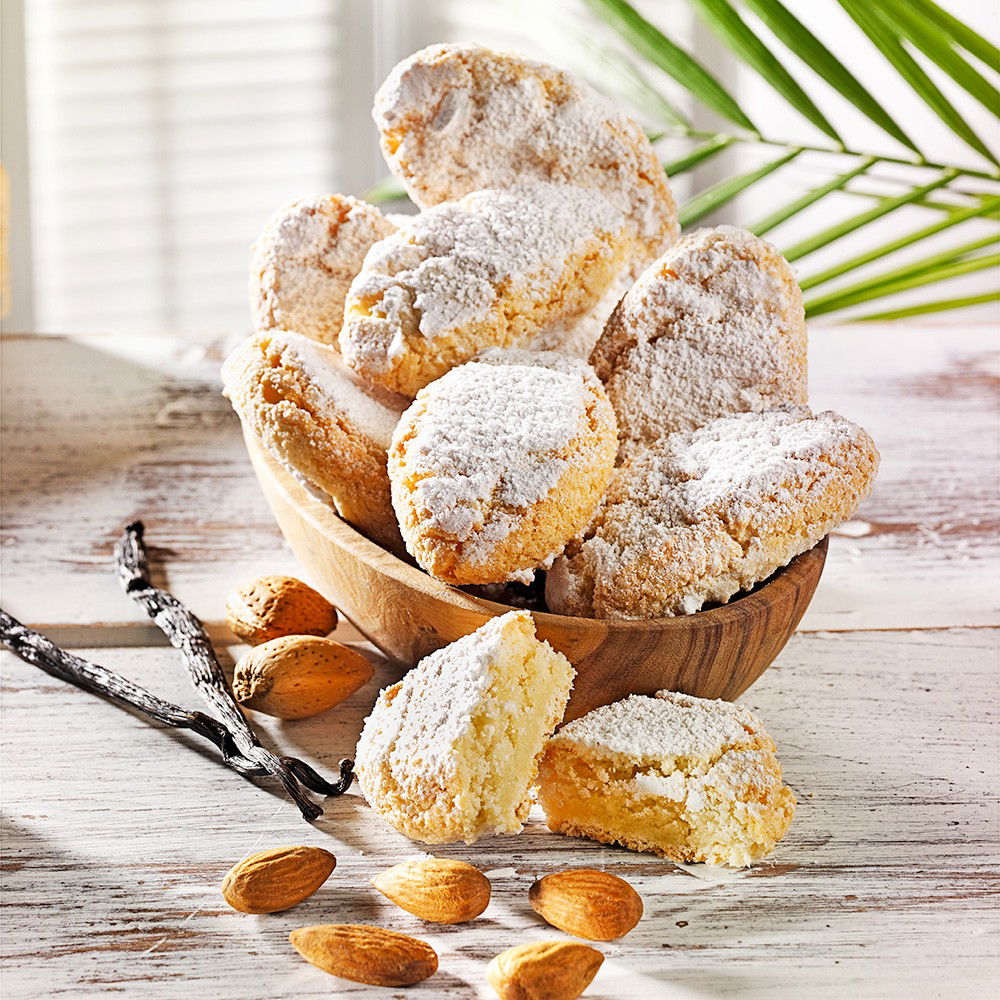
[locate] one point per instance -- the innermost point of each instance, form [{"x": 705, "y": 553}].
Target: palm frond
[
  {"x": 926, "y": 37},
  {"x": 897, "y": 29},
  {"x": 870, "y": 19},
  {"x": 652, "y": 43},
  {"x": 961, "y": 34},
  {"x": 732, "y": 29},
  {"x": 799, "y": 39},
  {"x": 722, "y": 193}
]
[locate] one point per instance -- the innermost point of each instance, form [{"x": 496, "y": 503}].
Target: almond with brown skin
[
  {"x": 588, "y": 903},
  {"x": 277, "y": 879},
  {"x": 272, "y": 606},
  {"x": 436, "y": 889},
  {"x": 555, "y": 970},
  {"x": 297, "y": 676},
  {"x": 364, "y": 954}
]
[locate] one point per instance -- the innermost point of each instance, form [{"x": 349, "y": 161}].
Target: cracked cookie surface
[
  {"x": 497, "y": 463},
  {"x": 315, "y": 417},
  {"x": 497, "y": 268},
  {"x": 708, "y": 513},
  {"x": 459, "y": 118},
  {"x": 305, "y": 260},
  {"x": 715, "y": 326}
]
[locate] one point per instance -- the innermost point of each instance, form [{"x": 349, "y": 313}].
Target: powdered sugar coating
[
  {"x": 305, "y": 259},
  {"x": 458, "y": 118},
  {"x": 710, "y": 512},
  {"x": 715, "y": 326},
  {"x": 497, "y": 267},
  {"x": 315, "y": 417},
  {"x": 688, "y": 778},
  {"x": 658, "y": 730},
  {"x": 483, "y": 447},
  {"x": 433, "y": 758},
  {"x": 441, "y": 696}
]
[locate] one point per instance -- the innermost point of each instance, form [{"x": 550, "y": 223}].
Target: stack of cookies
[{"x": 537, "y": 373}]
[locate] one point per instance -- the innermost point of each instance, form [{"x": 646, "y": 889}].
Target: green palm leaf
[
  {"x": 926, "y": 37},
  {"x": 962, "y": 34},
  {"x": 672, "y": 59},
  {"x": 719, "y": 194},
  {"x": 855, "y": 222},
  {"x": 809, "y": 198},
  {"x": 923, "y": 308},
  {"x": 937, "y": 267},
  {"x": 732, "y": 29},
  {"x": 868, "y": 18},
  {"x": 845, "y": 267},
  {"x": 800, "y": 40},
  {"x": 699, "y": 154}
]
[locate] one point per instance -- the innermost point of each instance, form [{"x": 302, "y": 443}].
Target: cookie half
[
  {"x": 689, "y": 779},
  {"x": 450, "y": 752}
]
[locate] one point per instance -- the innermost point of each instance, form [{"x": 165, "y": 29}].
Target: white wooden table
[{"x": 884, "y": 708}]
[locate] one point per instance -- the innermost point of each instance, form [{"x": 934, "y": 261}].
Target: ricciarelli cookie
[
  {"x": 689, "y": 779},
  {"x": 451, "y": 751},
  {"x": 459, "y": 118},
  {"x": 498, "y": 463},
  {"x": 305, "y": 260},
  {"x": 497, "y": 268},
  {"x": 712, "y": 512},
  {"x": 314, "y": 416},
  {"x": 715, "y": 326}
]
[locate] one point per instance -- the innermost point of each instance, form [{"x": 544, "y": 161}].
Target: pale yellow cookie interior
[
  {"x": 685, "y": 778},
  {"x": 450, "y": 753}
]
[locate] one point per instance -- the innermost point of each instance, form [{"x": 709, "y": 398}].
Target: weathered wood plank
[
  {"x": 96, "y": 431},
  {"x": 116, "y": 839}
]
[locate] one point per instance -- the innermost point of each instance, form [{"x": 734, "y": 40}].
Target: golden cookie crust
[
  {"x": 458, "y": 118},
  {"x": 712, "y": 512},
  {"x": 715, "y": 326},
  {"x": 689, "y": 779},
  {"x": 314, "y": 416},
  {"x": 496, "y": 464},
  {"x": 305, "y": 260},
  {"x": 496, "y": 268}
]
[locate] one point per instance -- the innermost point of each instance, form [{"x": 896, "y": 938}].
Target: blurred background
[{"x": 146, "y": 143}]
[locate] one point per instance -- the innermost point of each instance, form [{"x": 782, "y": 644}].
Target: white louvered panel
[{"x": 164, "y": 134}]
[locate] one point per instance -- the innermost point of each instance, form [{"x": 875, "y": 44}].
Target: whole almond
[
  {"x": 277, "y": 879},
  {"x": 588, "y": 903},
  {"x": 298, "y": 675},
  {"x": 555, "y": 970},
  {"x": 364, "y": 954},
  {"x": 436, "y": 889},
  {"x": 272, "y": 606}
]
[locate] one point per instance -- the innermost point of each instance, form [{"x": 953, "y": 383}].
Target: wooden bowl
[{"x": 716, "y": 653}]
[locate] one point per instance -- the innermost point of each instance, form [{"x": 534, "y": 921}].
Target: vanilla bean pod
[
  {"x": 187, "y": 634},
  {"x": 36, "y": 649}
]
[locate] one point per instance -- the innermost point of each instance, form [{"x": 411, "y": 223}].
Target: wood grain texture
[
  {"x": 884, "y": 707},
  {"x": 97, "y": 431},
  {"x": 117, "y": 839},
  {"x": 407, "y": 614}
]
